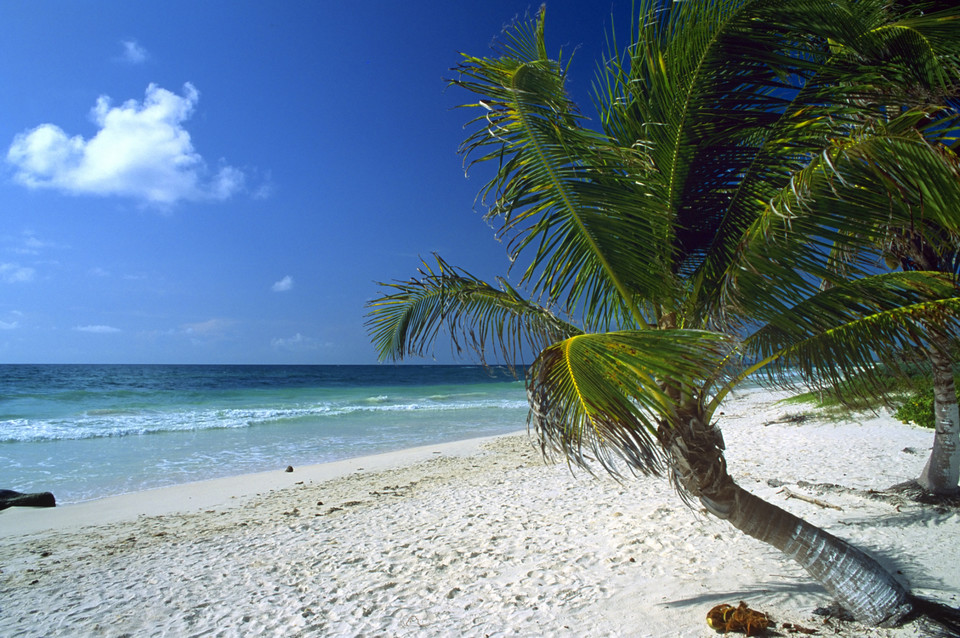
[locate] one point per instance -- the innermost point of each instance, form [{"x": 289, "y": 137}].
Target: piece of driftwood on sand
[{"x": 10, "y": 498}]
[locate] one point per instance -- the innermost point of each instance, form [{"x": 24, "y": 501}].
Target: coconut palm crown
[{"x": 690, "y": 239}]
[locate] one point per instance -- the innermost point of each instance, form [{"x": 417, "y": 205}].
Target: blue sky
[{"x": 223, "y": 182}]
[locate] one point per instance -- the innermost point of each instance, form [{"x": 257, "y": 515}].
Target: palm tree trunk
[
  {"x": 858, "y": 582},
  {"x": 942, "y": 472}
]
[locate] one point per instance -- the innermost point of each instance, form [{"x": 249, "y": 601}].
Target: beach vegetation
[
  {"x": 911, "y": 400},
  {"x": 918, "y": 409},
  {"x": 685, "y": 240}
]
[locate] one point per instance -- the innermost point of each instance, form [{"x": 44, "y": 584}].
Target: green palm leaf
[
  {"x": 731, "y": 110},
  {"x": 904, "y": 166},
  {"x": 406, "y": 320},
  {"x": 832, "y": 220},
  {"x": 568, "y": 194},
  {"x": 844, "y": 331},
  {"x": 604, "y": 396}
]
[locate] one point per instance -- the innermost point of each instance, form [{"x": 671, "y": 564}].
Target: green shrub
[
  {"x": 912, "y": 397},
  {"x": 918, "y": 406},
  {"x": 918, "y": 409}
]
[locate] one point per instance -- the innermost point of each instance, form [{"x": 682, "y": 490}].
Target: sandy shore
[{"x": 479, "y": 538}]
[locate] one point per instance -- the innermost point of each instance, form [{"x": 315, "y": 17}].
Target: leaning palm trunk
[
  {"x": 942, "y": 471},
  {"x": 856, "y": 581}
]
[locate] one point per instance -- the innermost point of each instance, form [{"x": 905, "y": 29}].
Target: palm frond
[
  {"x": 717, "y": 93},
  {"x": 847, "y": 330},
  {"x": 573, "y": 203},
  {"x": 903, "y": 164},
  {"x": 407, "y": 318},
  {"x": 833, "y": 219},
  {"x": 602, "y": 397},
  {"x": 731, "y": 99},
  {"x": 917, "y": 51}
]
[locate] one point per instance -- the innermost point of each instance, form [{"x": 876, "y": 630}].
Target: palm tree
[
  {"x": 915, "y": 249},
  {"x": 875, "y": 153},
  {"x": 669, "y": 256}
]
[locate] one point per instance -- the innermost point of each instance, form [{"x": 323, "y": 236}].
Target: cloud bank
[{"x": 141, "y": 150}]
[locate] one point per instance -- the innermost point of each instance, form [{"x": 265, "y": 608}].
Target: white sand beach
[{"x": 479, "y": 538}]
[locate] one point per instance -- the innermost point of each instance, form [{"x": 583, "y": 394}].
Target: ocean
[{"x": 89, "y": 431}]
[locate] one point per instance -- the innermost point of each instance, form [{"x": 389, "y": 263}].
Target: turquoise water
[{"x": 84, "y": 432}]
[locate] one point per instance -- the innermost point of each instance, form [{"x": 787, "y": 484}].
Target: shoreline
[
  {"x": 228, "y": 491},
  {"x": 490, "y": 542},
  {"x": 86, "y": 432}
]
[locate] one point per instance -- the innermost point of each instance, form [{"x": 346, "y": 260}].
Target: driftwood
[
  {"x": 897, "y": 495},
  {"x": 809, "y": 499},
  {"x": 788, "y": 418},
  {"x": 9, "y": 498}
]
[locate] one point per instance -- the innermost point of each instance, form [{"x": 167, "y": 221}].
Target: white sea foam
[
  {"x": 90, "y": 431},
  {"x": 116, "y": 423}
]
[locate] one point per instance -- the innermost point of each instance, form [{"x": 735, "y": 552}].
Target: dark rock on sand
[{"x": 9, "y": 498}]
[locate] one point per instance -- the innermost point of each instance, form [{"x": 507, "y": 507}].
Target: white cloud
[
  {"x": 133, "y": 53},
  {"x": 14, "y": 323},
  {"x": 283, "y": 285},
  {"x": 141, "y": 150},
  {"x": 266, "y": 188},
  {"x": 16, "y": 274},
  {"x": 209, "y": 328},
  {"x": 32, "y": 245},
  {"x": 296, "y": 343},
  {"x": 101, "y": 330}
]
